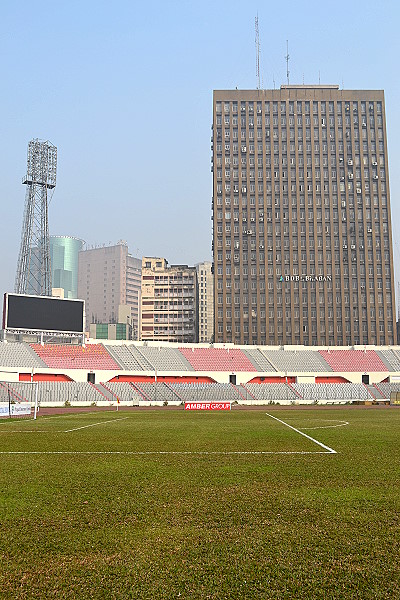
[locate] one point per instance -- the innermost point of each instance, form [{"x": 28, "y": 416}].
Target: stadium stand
[
  {"x": 18, "y": 354},
  {"x": 375, "y": 392},
  {"x": 91, "y": 357},
  {"x": 363, "y": 361},
  {"x": 158, "y": 392},
  {"x": 303, "y": 361},
  {"x": 390, "y": 359},
  {"x": 123, "y": 391},
  {"x": 58, "y": 392},
  {"x": 329, "y": 392},
  {"x": 165, "y": 359},
  {"x": 206, "y": 392},
  {"x": 270, "y": 392},
  {"x": 259, "y": 360},
  {"x": 217, "y": 359},
  {"x": 187, "y": 373},
  {"x": 387, "y": 388},
  {"x": 128, "y": 357},
  {"x": 8, "y": 393}
]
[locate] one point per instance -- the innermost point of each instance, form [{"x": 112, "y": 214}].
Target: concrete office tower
[
  {"x": 302, "y": 236},
  {"x": 64, "y": 253},
  {"x": 108, "y": 278},
  {"x": 205, "y": 282},
  {"x": 169, "y": 302}
]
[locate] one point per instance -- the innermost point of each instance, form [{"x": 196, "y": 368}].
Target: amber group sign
[{"x": 207, "y": 406}]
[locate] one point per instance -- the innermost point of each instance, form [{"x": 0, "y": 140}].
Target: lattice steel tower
[{"x": 34, "y": 268}]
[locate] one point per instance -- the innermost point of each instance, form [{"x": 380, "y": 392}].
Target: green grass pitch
[{"x": 170, "y": 504}]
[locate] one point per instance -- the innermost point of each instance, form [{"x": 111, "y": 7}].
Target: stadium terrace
[{"x": 146, "y": 373}]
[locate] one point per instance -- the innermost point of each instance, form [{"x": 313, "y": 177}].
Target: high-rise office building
[
  {"x": 64, "y": 252},
  {"x": 205, "y": 283},
  {"x": 108, "y": 278},
  {"x": 302, "y": 237},
  {"x": 169, "y": 302}
]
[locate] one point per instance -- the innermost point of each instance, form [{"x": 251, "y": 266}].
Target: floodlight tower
[{"x": 34, "y": 269}]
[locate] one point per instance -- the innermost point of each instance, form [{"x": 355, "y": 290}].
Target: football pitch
[{"x": 283, "y": 503}]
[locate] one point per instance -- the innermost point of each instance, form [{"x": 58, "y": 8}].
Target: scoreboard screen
[{"x": 42, "y": 313}]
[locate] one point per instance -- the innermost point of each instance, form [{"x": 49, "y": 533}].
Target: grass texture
[{"x": 160, "y": 504}]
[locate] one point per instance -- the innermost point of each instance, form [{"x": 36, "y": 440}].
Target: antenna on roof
[
  {"x": 287, "y": 61},
  {"x": 257, "y": 43},
  {"x": 319, "y": 77}
]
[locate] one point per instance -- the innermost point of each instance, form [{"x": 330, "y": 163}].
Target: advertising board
[
  {"x": 207, "y": 406},
  {"x": 21, "y": 409}
]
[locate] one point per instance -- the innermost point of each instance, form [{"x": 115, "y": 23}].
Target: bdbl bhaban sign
[{"x": 207, "y": 406}]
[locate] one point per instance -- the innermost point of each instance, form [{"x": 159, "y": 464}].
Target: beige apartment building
[
  {"x": 205, "y": 282},
  {"x": 110, "y": 278},
  {"x": 168, "y": 302},
  {"x": 302, "y": 240}
]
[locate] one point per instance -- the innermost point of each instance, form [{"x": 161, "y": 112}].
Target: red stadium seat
[{"x": 91, "y": 357}]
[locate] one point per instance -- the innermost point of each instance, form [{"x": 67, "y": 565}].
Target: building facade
[
  {"x": 109, "y": 277},
  {"x": 168, "y": 302},
  {"x": 64, "y": 258},
  {"x": 302, "y": 239},
  {"x": 205, "y": 294}
]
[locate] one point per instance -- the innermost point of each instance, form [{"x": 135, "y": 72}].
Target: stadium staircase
[
  {"x": 381, "y": 393},
  {"x": 375, "y": 392},
  {"x": 101, "y": 389},
  {"x": 295, "y": 391},
  {"x": 5, "y": 390},
  {"x": 246, "y": 393}
]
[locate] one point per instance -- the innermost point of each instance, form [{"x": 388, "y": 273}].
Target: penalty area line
[
  {"x": 94, "y": 424},
  {"x": 329, "y": 450}
]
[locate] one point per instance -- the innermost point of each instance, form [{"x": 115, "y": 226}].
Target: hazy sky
[{"x": 124, "y": 90}]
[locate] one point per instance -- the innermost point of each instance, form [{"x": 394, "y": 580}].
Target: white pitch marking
[
  {"x": 7, "y": 420},
  {"x": 330, "y": 450},
  {"x": 340, "y": 424},
  {"x": 93, "y": 424},
  {"x": 165, "y": 452},
  {"x": 26, "y": 431}
]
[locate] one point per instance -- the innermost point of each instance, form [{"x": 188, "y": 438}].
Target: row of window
[
  {"x": 306, "y": 315},
  {"x": 296, "y": 329},
  {"x": 307, "y": 147},
  {"x": 298, "y": 121},
  {"x": 250, "y": 160},
  {"x": 283, "y": 134},
  {"x": 297, "y": 201},
  {"x": 300, "y": 107},
  {"x": 313, "y": 341}
]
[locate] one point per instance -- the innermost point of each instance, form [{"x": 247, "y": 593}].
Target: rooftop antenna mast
[
  {"x": 287, "y": 61},
  {"x": 34, "y": 268},
  {"x": 257, "y": 42}
]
